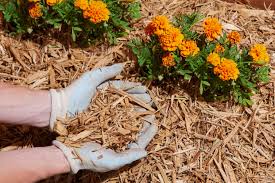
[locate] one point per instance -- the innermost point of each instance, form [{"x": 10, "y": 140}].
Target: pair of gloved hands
[{"x": 77, "y": 97}]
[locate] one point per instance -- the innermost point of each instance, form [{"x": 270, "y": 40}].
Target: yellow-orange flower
[
  {"x": 219, "y": 48},
  {"x": 158, "y": 25},
  {"x": 35, "y": 10},
  {"x": 227, "y": 70},
  {"x": 171, "y": 39},
  {"x": 234, "y": 37},
  {"x": 81, "y": 4},
  {"x": 259, "y": 54},
  {"x": 188, "y": 48},
  {"x": 53, "y": 2},
  {"x": 168, "y": 60},
  {"x": 34, "y": 1},
  {"x": 212, "y": 28},
  {"x": 97, "y": 12},
  {"x": 214, "y": 59}
]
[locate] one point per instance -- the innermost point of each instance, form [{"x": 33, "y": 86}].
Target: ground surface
[{"x": 197, "y": 141}]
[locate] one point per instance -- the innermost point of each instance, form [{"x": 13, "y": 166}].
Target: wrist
[
  {"x": 62, "y": 164},
  {"x": 71, "y": 156},
  {"x": 58, "y": 106}
]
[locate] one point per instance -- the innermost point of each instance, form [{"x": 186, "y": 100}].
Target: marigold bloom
[
  {"x": 219, "y": 48},
  {"x": 35, "y": 10},
  {"x": 227, "y": 70},
  {"x": 53, "y": 2},
  {"x": 171, "y": 39},
  {"x": 97, "y": 12},
  {"x": 158, "y": 25},
  {"x": 33, "y": 1},
  {"x": 234, "y": 37},
  {"x": 214, "y": 59},
  {"x": 81, "y": 4},
  {"x": 212, "y": 28},
  {"x": 188, "y": 48},
  {"x": 168, "y": 60},
  {"x": 259, "y": 53}
]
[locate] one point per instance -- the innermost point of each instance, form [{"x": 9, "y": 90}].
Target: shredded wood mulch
[
  {"x": 112, "y": 120},
  {"x": 196, "y": 141}
]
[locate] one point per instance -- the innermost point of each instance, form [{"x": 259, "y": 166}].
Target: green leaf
[
  {"x": 186, "y": 74},
  {"x": 183, "y": 72},
  {"x": 77, "y": 29},
  {"x": 263, "y": 74},
  {"x": 187, "y": 77},
  {"x": 73, "y": 35},
  {"x": 134, "y": 10},
  {"x": 2, "y": 8},
  {"x": 206, "y": 83},
  {"x": 201, "y": 88},
  {"x": 120, "y": 23},
  {"x": 185, "y": 22},
  {"x": 10, "y": 12},
  {"x": 202, "y": 84}
]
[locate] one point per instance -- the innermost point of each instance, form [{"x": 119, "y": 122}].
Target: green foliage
[
  {"x": 196, "y": 67},
  {"x": 186, "y": 22},
  {"x": 66, "y": 19}
]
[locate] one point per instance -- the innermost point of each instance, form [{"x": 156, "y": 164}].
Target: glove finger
[
  {"x": 102, "y": 74},
  {"x": 144, "y": 128},
  {"x": 92, "y": 146},
  {"x": 146, "y": 98},
  {"x": 146, "y": 135},
  {"x": 130, "y": 156},
  {"x": 122, "y": 85},
  {"x": 137, "y": 90}
]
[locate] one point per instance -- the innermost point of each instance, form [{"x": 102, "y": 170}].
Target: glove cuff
[
  {"x": 69, "y": 154},
  {"x": 59, "y": 106}
]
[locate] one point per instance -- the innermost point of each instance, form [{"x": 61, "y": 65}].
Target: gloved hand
[
  {"x": 76, "y": 97},
  {"x": 93, "y": 156}
]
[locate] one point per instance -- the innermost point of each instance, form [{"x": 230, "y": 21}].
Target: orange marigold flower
[
  {"x": 81, "y": 4},
  {"x": 97, "y": 12},
  {"x": 219, "y": 48},
  {"x": 259, "y": 53},
  {"x": 158, "y": 25},
  {"x": 227, "y": 70},
  {"x": 33, "y": 1},
  {"x": 188, "y": 48},
  {"x": 171, "y": 39},
  {"x": 168, "y": 60},
  {"x": 234, "y": 37},
  {"x": 214, "y": 59},
  {"x": 212, "y": 28},
  {"x": 53, "y": 2},
  {"x": 35, "y": 10}
]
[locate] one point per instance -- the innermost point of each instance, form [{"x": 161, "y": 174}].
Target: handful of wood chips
[{"x": 111, "y": 120}]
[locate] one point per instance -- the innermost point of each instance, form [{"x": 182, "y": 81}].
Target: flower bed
[
  {"x": 85, "y": 20},
  {"x": 223, "y": 68}
]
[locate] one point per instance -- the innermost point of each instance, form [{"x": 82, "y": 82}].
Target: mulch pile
[
  {"x": 112, "y": 120},
  {"x": 197, "y": 141}
]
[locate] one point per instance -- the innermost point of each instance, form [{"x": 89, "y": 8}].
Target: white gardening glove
[
  {"x": 76, "y": 97},
  {"x": 93, "y": 156}
]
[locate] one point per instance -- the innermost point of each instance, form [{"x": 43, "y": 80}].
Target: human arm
[
  {"x": 23, "y": 106},
  {"x": 32, "y": 165},
  {"x": 39, "y": 108},
  {"x": 70, "y": 101}
]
